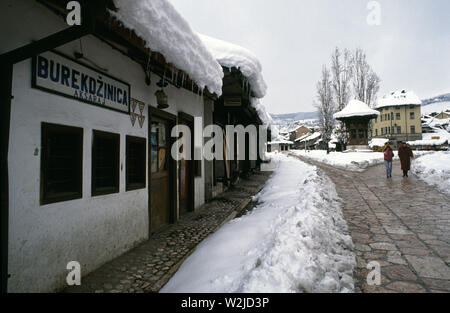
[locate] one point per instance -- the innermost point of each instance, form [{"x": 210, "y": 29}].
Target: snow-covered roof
[
  {"x": 356, "y": 108},
  {"x": 398, "y": 98},
  {"x": 311, "y": 137},
  {"x": 165, "y": 31},
  {"x": 277, "y": 142},
  {"x": 231, "y": 55},
  {"x": 427, "y": 139}
]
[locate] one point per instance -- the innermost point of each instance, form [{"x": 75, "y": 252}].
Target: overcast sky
[{"x": 294, "y": 38}]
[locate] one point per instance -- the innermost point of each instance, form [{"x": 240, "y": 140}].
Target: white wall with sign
[{"x": 90, "y": 230}]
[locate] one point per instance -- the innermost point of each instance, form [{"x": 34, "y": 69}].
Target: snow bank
[
  {"x": 378, "y": 142},
  {"x": 350, "y": 161},
  {"x": 231, "y": 55},
  {"x": 295, "y": 240},
  {"x": 434, "y": 169},
  {"x": 356, "y": 108},
  {"x": 165, "y": 31},
  {"x": 398, "y": 98}
]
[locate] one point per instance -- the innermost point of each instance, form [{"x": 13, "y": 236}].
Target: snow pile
[
  {"x": 349, "y": 161},
  {"x": 356, "y": 108},
  {"x": 352, "y": 161},
  {"x": 378, "y": 142},
  {"x": 434, "y": 169},
  {"x": 165, "y": 31},
  {"x": 231, "y": 55},
  {"x": 295, "y": 240},
  {"x": 399, "y": 97}
]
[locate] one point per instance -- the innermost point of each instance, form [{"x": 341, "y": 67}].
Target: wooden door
[
  {"x": 186, "y": 171},
  {"x": 160, "y": 192}
]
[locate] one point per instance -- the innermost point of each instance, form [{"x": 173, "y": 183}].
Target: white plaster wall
[{"x": 91, "y": 230}]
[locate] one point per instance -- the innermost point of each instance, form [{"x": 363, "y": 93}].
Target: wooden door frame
[
  {"x": 171, "y": 121},
  {"x": 189, "y": 119}
]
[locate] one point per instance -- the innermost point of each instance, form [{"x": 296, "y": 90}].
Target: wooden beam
[
  {"x": 45, "y": 44},
  {"x": 5, "y": 109}
]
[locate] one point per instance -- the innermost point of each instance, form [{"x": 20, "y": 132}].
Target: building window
[
  {"x": 61, "y": 163},
  {"x": 392, "y": 116},
  {"x": 413, "y": 129},
  {"x": 393, "y": 130},
  {"x": 135, "y": 162},
  {"x": 411, "y": 115},
  {"x": 399, "y": 129},
  {"x": 397, "y": 116},
  {"x": 382, "y": 131},
  {"x": 353, "y": 133},
  {"x": 105, "y": 163},
  {"x": 376, "y": 132},
  {"x": 381, "y": 117}
]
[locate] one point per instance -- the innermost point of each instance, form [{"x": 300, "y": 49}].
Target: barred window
[
  {"x": 61, "y": 163},
  {"x": 105, "y": 163}
]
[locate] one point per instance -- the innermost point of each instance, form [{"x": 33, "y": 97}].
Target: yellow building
[{"x": 400, "y": 118}]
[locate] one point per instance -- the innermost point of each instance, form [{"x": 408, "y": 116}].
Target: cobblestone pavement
[
  {"x": 148, "y": 267},
  {"x": 403, "y": 224}
]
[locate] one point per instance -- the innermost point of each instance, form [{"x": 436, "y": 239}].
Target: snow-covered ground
[
  {"x": 434, "y": 169},
  {"x": 295, "y": 240},
  {"x": 350, "y": 161}
]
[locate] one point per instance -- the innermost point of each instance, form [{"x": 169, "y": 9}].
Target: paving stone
[
  {"x": 430, "y": 267},
  {"x": 406, "y": 287},
  {"x": 399, "y": 272},
  {"x": 383, "y": 246}
]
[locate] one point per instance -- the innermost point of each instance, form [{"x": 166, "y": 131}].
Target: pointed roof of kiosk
[{"x": 356, "y": 108}]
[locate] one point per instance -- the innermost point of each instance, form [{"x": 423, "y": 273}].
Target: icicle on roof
[{"x": 165, "y": 31}]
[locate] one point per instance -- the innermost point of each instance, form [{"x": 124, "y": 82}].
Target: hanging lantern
[{"x": 161, "y": 99}]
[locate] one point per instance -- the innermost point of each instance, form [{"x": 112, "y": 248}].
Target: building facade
[
  {"x": 400, "y": 118},
  {"x": 89, "y": 172}
]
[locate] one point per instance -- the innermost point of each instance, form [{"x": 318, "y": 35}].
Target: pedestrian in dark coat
[{"x": 405, "y": 154}]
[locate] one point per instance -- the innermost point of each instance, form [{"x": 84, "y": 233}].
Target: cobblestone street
[
  {"x": 403, "y": 224},
  {"x": 148, "y": 267}
]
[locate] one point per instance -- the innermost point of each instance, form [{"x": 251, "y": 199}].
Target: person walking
[
  {"x": 405, "y": 154},
  {"x": 388, "y": 157}
]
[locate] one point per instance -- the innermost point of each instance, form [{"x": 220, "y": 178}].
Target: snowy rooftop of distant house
[
  {"x": 165, "y": 31},
  {"x": 440, "y": 137},
  {"x": 231, "y": 55},
  {"x": 356, "y": 108},
  {"x": 399, "y": 97},
  {"x": 310, "y": 137},
  {"x": 280, "y": 141}
]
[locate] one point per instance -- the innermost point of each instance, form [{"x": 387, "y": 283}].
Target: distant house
[
  {"x": 298, "y": 132},
  {"x": 443, "y": 115},
  {"x": 309, "y": 141},
  {"x": 400, "y": 117},
  {"x": 279, "y": 145}
]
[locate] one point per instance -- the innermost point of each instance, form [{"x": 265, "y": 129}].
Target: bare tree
[
  {"x": 325, "y": 106},
  {"x": 366, "y": 83},
  {"x": 341, "y": 70}
]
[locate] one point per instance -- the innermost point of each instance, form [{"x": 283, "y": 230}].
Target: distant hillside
[
  {"x": 295, "y": 116},
  {"x": 441, "y": 98}
]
